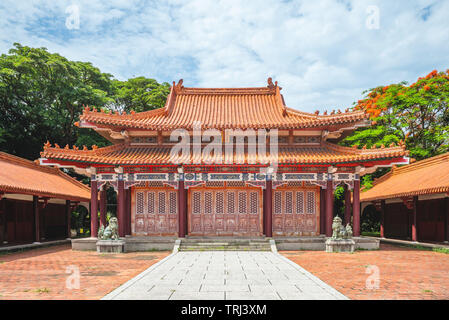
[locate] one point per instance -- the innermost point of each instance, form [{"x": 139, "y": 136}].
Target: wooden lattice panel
[
  {"x": 295, "y": 211},
  {"x": 155, "y": 211},
  {"x": 299, "y": 202},
  {"x": 172, "y": 202},
  {"x": 230, "y": 212},
  {"x": 151, "y": 203},
  {"x": 311, "y": 203}
]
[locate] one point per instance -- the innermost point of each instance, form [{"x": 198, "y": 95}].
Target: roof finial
[
  {"x": 270, "y": 83},
  {"x": 317, "y": 112}
]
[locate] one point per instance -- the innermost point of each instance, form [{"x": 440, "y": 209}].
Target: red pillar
[
  {"x": 414, "y": 213},
  {"x": 93, "y": 208},
  {"x": 329, "y": 208},
  {"x": 269, "y": 208},
  {"x": 121, "y": 206},
  {"x": 128, "y": 211},
  {"x": 103, "y": 203},
  {"x": 347, "y": 205},
  {"x": 322, "y": 210},
  {"x": 37, "y": 230},
  {"x": 383, "y": 209},
  {"x": 356, "y": 208},
  {"x": 182, "y": 208}
]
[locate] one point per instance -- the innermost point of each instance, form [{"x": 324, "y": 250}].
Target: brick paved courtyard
[
  {"x": 405, "y": 273},
  {"x": 41, "y": 273}
]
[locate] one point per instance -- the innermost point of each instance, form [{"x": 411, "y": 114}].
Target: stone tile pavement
[{"x": 225, "y": 275}]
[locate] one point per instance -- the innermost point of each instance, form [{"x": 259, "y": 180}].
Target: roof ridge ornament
[{"x": 178, "y": 86}]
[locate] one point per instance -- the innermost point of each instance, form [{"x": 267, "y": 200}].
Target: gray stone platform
[{"x": 225, "y": 275}]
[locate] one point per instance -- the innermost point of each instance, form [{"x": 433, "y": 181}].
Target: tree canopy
[
  {"x": 42, "y": 95},
  {"x": 417, "y": 114}
]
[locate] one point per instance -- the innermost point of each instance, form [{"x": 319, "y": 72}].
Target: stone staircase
[{"x": 224, "y": 244}]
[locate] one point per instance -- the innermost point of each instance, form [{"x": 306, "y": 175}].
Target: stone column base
[
  {"x": 340, "y": 245},
  {"x": 110, "y": 246}
]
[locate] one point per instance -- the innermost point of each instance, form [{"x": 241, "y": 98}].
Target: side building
[
  {"x": 36, "y": 201},
  {"x": 413, "y": 201}
]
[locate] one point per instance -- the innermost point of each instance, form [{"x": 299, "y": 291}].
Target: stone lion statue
[
  {"x": 336, "y": 228},
  {"x": 110, "y": 232},
  {"x": 339, "y": 231}
]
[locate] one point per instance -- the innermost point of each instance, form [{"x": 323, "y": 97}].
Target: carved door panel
[
  {"x": 231, "y": 212},
  {"x": 295, "y": 212},
  {"x": 140, "y": 217},
  {"x": 195, "y": 207},
  {"x": 219, "y": 208},
  {"x": 208, "y": 214},
  {"x": 219, "y": 212},
  {"x": 242, "y": 206},
  {"x": 253, "y": 211},
  {"x": 156, "y": 212}
]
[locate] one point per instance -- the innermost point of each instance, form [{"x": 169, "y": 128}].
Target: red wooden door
[
  {"x": 295, "y": 211},
  {"x": 155, "y": 212},
  {"x": 224, "y": 212}
]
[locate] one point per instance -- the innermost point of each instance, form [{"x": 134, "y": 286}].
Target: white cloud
[{"x": 321, "y": 52}]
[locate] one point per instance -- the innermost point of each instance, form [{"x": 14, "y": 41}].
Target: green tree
[
  {"x": 42, "y": 95},
  {"x": 140, "y": 94}
]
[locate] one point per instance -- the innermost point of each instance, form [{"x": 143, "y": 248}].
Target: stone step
[
  {"x": 217, "y": 244},
  {"x": 224, "y": 249}
]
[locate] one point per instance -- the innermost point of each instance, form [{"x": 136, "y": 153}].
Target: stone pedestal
[
  {"x": 110, "y": 246},
  {"x": 340, "y": 245}
]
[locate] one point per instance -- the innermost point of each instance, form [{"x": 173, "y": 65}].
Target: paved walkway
[{"x": 225, "y": 275}]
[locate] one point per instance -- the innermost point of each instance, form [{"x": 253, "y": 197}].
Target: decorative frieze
[{"x": 254, "y": 178}]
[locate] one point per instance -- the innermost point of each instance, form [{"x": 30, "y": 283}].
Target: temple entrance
[
  {"x": 225, "y": 211},
  {"x": 296, "y": 211},
  {"x": 155, "y": 211}
]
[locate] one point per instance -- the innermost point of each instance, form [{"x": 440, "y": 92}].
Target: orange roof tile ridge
[
  {"x": 423, "y": 163},
  {"x": 226, "y": 91},
  {"x": 32, "y": 165},
  {"x": 26, "y": 163}
]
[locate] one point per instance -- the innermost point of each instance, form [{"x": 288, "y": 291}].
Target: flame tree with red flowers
[{"x": 417, "y": 114}]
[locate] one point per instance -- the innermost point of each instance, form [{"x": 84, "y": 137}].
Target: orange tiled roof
[
  {"x": 223, "y": 108},
  {"x": 126, "y": 154},
  {"x": 22, "y": 176},
  {"x": 422, "y": 177}
]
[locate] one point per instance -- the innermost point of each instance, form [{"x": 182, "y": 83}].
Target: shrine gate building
[{"x": 242, "y": 196}]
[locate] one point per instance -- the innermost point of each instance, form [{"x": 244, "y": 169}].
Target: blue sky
[{"x": 322, "y": 53}]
